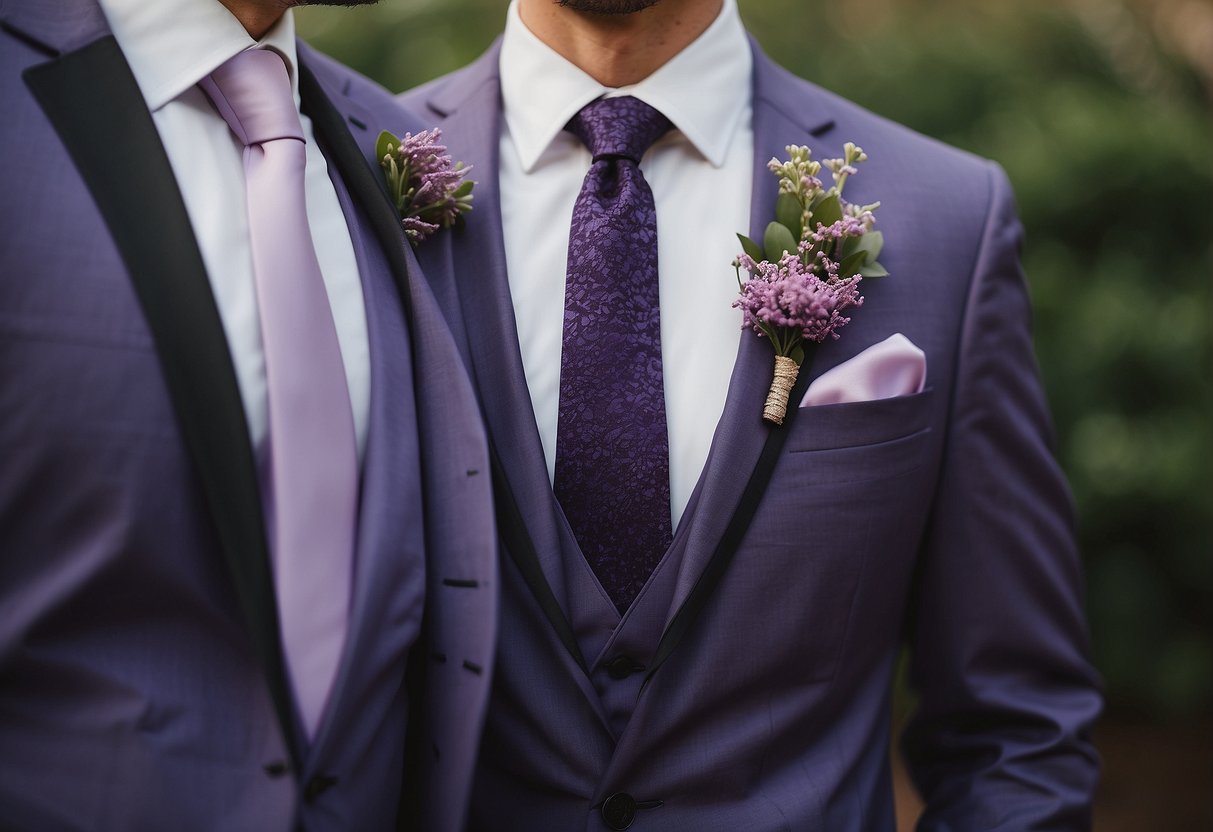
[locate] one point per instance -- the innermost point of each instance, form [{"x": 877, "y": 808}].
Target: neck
[
  {"x": 256, "y": 16},
  {"x": 619, "y": 49}
]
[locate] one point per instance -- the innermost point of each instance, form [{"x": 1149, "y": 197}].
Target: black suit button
[
  {"x": 619, "y": 810},
  {"x": 278, "y": 768},
  {"x": 621, "y": 667},
  {"x": 317, "y": 786}
]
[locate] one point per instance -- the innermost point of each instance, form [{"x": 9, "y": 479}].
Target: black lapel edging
[
  {"x": 521, "y": 548},
  {"x": 94, "y": 104},
  {"x": 367, "y": 190},
  {"x": 739, "y": 523},
  {"x": 366, "y": 187}
]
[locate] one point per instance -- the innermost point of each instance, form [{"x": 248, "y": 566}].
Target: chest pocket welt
[{"x": 859, "y": 441}]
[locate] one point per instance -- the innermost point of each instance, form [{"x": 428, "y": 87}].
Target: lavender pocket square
[{"x": 894, "y": 367}]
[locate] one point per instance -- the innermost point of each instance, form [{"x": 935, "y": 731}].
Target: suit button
[
  {"x": 278, "y": 768},
  {"x": 621, "y": 667},
  {"x": 317, "y": 786},
  {"x": 619, "y": 810}
]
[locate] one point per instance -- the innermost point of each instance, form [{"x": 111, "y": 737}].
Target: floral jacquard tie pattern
[
  {"x": 312, "y": 487},
  {"x": 612, "y": 448}
]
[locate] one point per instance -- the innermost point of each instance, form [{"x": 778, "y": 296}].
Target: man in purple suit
[
  {"x": 240, "y": 451},
  {"x": 701, "y": 612}
]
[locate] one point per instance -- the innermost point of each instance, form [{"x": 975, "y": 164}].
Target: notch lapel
[
  {"x": 91, "y": 98},
  {"x": 526, "y": 508},
  {"x": 744, "y": 448}
]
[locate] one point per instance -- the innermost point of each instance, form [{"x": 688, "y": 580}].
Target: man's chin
[{"x": 607, "y": 7}]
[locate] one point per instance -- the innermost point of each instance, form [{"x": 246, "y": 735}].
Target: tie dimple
[
  {"x": 310, "y": 464},
  {"x": 622, "y": 126},
  {"x": 253, "y": 94},
  {"x": 612, "y": 471}
]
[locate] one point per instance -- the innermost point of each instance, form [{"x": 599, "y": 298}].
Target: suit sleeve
[{"x": 1006, "y": 693}]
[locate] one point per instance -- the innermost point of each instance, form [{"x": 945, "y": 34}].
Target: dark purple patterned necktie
[{"x": 612, "y": 450}]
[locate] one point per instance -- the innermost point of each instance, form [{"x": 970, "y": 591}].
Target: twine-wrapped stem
[{"x": 776, "y": 406}]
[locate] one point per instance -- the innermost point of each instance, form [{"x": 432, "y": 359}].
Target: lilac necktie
[
  {"x": 612, "y": 450},
  {"x": 312, "y": 488}
]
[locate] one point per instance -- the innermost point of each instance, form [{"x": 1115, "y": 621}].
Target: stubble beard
[
  {"x": 607, "y": 7},
  {"x": 290, "y": 3}
]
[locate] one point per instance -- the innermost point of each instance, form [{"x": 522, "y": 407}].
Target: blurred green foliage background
[{"x": 1099, "y": 110}]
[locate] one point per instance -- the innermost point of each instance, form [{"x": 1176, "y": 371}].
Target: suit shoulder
[
  {"x": 349, "y": 81},
  {"x": 434, "y": 97},
  {"x": 356, "y": 86},
  {"x": 914, "y": 160}
]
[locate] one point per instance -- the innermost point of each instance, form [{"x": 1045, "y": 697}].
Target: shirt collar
[
  {"x": 703, "y": 90},
  {"x": 171, "y": 45}
]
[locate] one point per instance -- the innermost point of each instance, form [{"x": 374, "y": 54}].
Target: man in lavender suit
[
  {"x": 167, "y": 658},
  {"x": 729, "y": 666}
]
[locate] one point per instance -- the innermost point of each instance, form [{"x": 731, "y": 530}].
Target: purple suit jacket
[
  {"x": 141, "y": 680},
  {"x": 809, "y": 554}
]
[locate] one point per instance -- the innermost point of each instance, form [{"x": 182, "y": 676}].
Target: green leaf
[
  {"x": 464, "y": 189},
  {"x": 777, "y": 240},
  {"x": 874, "y": 269},
  {"x": 849, "y": 246},
  {"x": 789, "y": 212},
  {"x": 827, "y": 211},
  {"x": 852, "y": 263},
  {"x": 871, "y": 243},
  {"x": 384, "y": 145},
  {"x": 750, "y": 247},
  {"x": 798, "y": 355}
]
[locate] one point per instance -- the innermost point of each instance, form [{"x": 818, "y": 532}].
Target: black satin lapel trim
[
  {"x": 94, "y": 104},
  {"x": 739, "y": 523},
  {"x": 366, "y": 187},
  {"x": 521, "y": 548}
]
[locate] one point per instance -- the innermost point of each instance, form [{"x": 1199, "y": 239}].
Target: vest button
[
  {"x": 621, "y": 667},
  {"x": 278, "y": 768},
  {"x": 619, "y": 810},
  {"x": 317, "y": 786}
]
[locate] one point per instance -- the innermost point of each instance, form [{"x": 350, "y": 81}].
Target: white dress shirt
[
  {"x": 170, "y": 46},
  {"x": 700, "y": 174}
]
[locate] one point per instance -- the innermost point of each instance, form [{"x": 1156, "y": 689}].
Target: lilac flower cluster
[
  {"x": 787, "y": 302},
  {"x": 429, "y": 189},
  {"x": 848, "y": 226},
  {"x": 806, "y": 273}
]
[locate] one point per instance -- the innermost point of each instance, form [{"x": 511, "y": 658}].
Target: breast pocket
[
  {"x": 859, "y": 441},
  {"x": 848, "y": 498}
]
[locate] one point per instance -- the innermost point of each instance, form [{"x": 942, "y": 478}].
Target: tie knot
[
  {"x": 623, "y": 126},
  {"x": 252, "y": 91}
]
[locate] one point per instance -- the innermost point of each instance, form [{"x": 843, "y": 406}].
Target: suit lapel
[
  {"x": 94, "y": 104},
  {"x": 526, "y": 507},
  {"x": 379, "y": 480},
  {"x": 744, "y": 448}
]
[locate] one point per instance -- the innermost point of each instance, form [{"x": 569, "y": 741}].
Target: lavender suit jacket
[
  {"x": 758, "y": 697},
  {"x": 141, "y": 680}
]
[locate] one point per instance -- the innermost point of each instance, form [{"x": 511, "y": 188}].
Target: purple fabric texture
[
  {"x": 311, "y": 485},
  {"x": 612, "y": 473},
  {"x": 938, "y": 520},
  {"x": 131, "y": 696}
]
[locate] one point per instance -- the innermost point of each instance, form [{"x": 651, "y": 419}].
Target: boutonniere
[
  {"x": 807, "y": 271},
  {"x": 429, "y": 190}
]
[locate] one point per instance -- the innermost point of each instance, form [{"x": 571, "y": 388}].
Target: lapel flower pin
[
  {"x": 807, "y": 271},
  {"x": 429, "y": 190}
]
